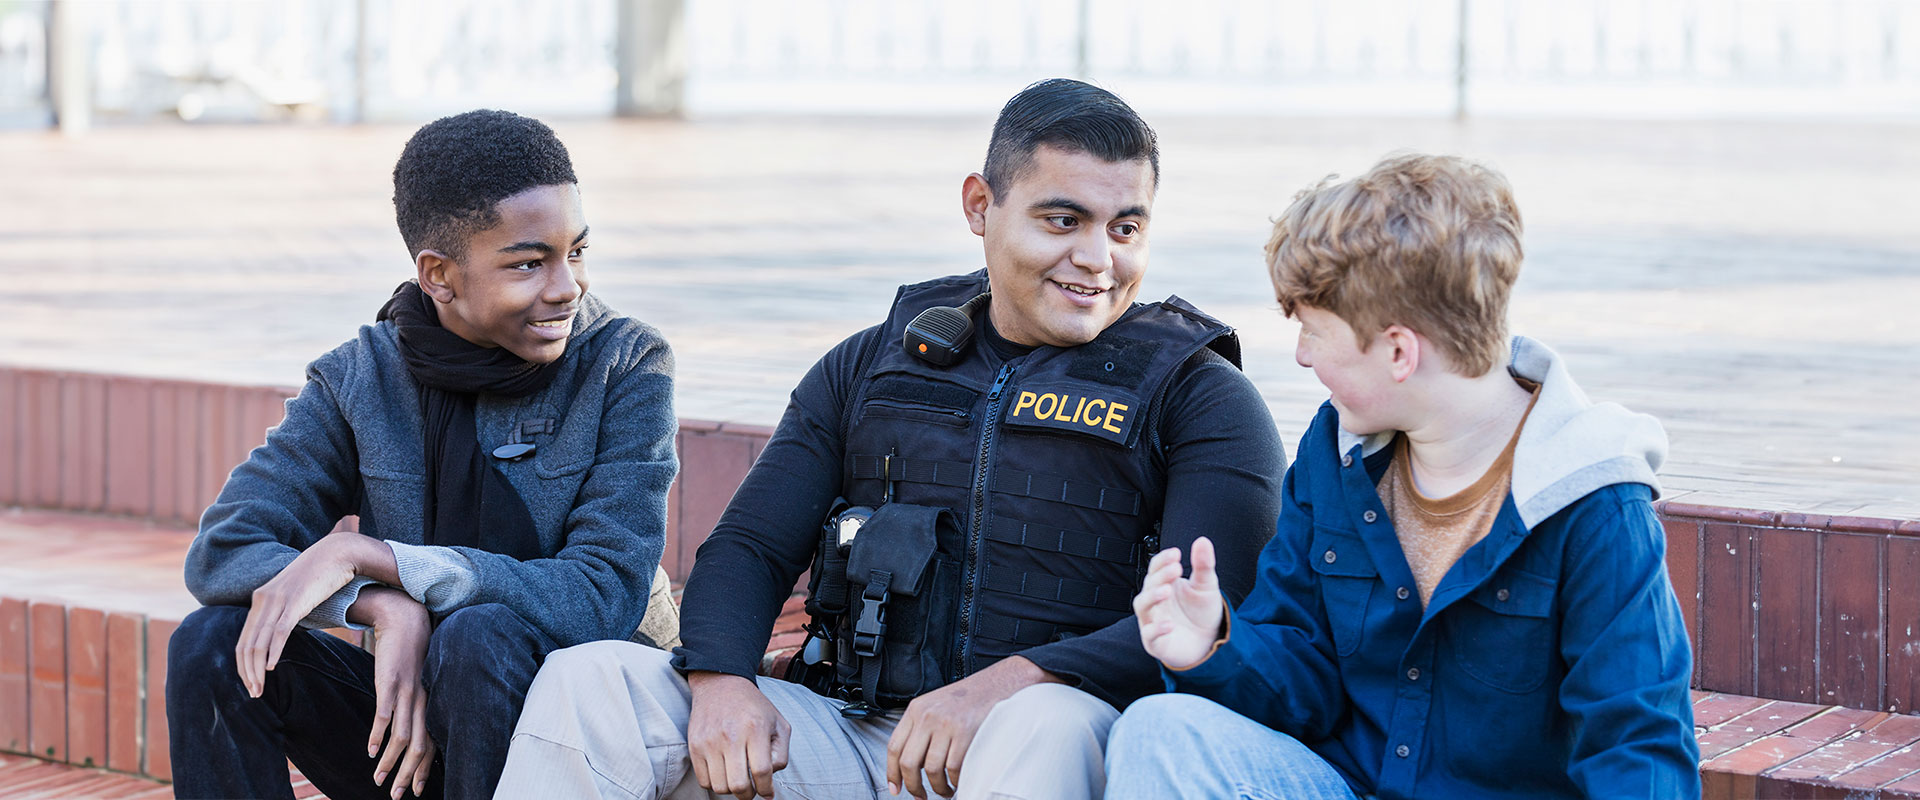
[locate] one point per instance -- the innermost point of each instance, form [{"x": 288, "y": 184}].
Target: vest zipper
[{"x": 963, "y": 649}]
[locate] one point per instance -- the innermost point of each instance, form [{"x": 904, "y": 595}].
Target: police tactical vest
[{"x": 1039, "y": 481}]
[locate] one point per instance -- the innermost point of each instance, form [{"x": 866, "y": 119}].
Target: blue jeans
[
  {"x": 1180, "y": 745},
  {"x": 318, "y": 707}
]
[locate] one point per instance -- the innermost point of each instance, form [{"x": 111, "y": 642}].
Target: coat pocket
[
  {"x": 1347, "y": 578},
  {"x": 1503, "y": 633}
]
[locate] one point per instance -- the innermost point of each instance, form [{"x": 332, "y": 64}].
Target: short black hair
[
  {"x": 455, "y": 169},
  {"x": 1073, "y": 116}
]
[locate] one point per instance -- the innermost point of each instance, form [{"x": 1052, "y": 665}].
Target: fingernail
[
  {"x": 892, "y": 789},
  {"x": 379, "y": 778}
]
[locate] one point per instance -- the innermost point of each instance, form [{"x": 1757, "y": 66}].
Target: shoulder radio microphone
[{"x": 939, "y": 335}]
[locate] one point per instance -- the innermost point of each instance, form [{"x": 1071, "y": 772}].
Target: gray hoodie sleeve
[
  {"x": 596, "y": 586},
  {"x": 287, "y": 494}
]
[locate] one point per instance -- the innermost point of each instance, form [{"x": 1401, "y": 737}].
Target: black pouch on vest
[{"x": 897, "y": 639}]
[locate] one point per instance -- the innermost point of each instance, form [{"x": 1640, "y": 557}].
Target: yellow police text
[{"x": 1092, "y": 412}]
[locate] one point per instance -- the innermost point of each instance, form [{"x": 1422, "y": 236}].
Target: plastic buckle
[{"x": 871, "y": 626}]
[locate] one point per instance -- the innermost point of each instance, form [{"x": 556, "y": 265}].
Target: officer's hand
[
  {"x": 401, "y": 630},
  {"x": 938, "y": 727},
  {"x": 736, "y": 739},
  {"x": 279, "y": 605},
  {"x": 1180, "y": 617}
]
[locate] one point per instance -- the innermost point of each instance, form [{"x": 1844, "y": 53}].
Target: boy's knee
[
  {"x": 205, "y": 640},
  {"x": 478, "y": 639},
  {"x": 200, "y": 653},
  {"x": 1150, "y": 722}
]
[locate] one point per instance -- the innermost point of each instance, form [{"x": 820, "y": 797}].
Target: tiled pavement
[
  {"x": 1749, "y": 283},
  {"x": 23, "y": 778}
]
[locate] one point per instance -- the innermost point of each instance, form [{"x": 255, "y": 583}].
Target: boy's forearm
[
  {"x": 376, "y": 605},
  {"x": 370, "y": 557}
]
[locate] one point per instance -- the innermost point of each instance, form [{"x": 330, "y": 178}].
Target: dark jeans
[{"x": 318, "y": 706}]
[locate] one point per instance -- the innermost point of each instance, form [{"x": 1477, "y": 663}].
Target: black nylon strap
[
  {"x": 830, "y": 586},
  {"x": 1041, "y": 586},
  {"x": 1059, "y": 540},
  {"x": 1061, "y": 490},
  {"x": 1024, "y": 632},
  {"x": 870, "y": 680},
  {"x": 912, "y": 470}
]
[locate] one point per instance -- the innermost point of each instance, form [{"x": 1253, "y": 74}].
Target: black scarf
[{"x": 468, "y": 501}]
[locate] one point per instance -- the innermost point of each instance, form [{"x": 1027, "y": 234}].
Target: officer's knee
[
  {"x": 1051, "y": 710},
  {"x": 599, "y": 662},
  {"x": 585, "y": 673}
]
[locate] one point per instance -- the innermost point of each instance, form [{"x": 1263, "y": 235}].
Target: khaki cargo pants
[{"x": 609, "y": 720}]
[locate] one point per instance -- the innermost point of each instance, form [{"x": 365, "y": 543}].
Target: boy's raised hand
[{"x": 1180, "y": 617}]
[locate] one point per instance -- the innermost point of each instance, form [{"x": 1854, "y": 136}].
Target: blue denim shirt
[{"x": 1551, "y": 661}]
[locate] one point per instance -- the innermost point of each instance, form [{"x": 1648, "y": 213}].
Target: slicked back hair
[
  {"x": 1429, "y": 242},
  {"x": 1073, "y": 116},
  {"x": 456, "y": 169}
]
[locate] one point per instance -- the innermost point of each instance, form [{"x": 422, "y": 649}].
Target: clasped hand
[{"x": 1180, "y": 617}]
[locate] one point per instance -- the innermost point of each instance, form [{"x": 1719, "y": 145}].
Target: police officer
[{"x": 994, "y": 464}]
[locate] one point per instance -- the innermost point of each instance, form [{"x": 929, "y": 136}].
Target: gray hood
[{"x": 1569, "y": 445}]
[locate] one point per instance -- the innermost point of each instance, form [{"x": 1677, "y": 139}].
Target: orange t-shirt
[{"x": 1435, "y": 532}]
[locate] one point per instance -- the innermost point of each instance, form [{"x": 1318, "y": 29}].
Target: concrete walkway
[{"x": 1748, "y": 283}]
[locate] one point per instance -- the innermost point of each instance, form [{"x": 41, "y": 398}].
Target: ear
[
  {"x": 975, "y": 198},
  {"x": 1404, "y": 349},
  {"x": 435, "y": 270}
]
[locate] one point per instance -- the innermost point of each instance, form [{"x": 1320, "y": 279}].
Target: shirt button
[
  {"x": 1346, "y": 460},
  {"x": 1402, "y": 751},
  {"x": 1501, "y": 595},
  {"x": 1402, "y": 593},
  {"x": 1369, "y": 516},
  {"x": 1413, "y": 674},
  {"x": 1328, "y": 557}
]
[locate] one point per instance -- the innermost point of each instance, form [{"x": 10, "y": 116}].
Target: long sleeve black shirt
[{"x": 1224, "y": 465}]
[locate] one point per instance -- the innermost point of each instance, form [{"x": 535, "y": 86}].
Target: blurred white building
[{"x": 411, "y": 59}]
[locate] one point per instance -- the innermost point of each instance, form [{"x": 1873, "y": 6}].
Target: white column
[
  {"x": 69, "y": 84},
  {"x": 651, "y": 55}
]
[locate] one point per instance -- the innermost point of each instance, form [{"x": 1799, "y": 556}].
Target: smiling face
[
  {"x": 520, "y": 283},
  {"x": 1066, "y": 245},
  {"x": 1361, "y": 381}
]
